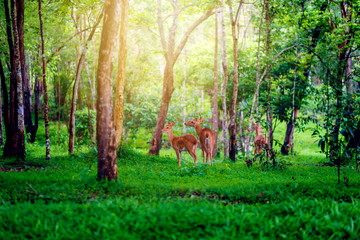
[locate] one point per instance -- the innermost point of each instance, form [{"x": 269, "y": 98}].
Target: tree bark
[
  {"x": 107, "y": 162},
  {"x": 46, "y": 119},
  {"x": 76, "y": 86},
  {"x": 37, "y": 96},
  {"x": 224, "y": 84},
  {"x": 120, "y": 79},
  {"x": 20, "y": 4},
  {"x": 17, "y": 147},
  {"x": 233, "y": 104},
  {"x": 171, "y": 53},
  {"x": 9, "y": 114},
  {"x": 288, "y": 141},
  {"x": 59, "y": 102},
  {"x": 269, "y": 113},
  {"x": 3, "y": 114},
  {"x": 215, "y": 115}
]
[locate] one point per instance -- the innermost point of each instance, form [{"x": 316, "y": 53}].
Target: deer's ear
[
  {"x": 201, "y": 120},
  {"x": 172, "y": 123}
]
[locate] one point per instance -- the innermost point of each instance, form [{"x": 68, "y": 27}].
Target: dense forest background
[{"x": 98, "y": 81}]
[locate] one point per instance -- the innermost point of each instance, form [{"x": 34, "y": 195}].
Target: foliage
[{"x": 82, "y": 127}]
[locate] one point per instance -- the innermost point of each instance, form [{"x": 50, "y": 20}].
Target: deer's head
[
  {"x": 168, "y": 127},
  {"x": 257, "y": 128},
  {"x": 194, "y": 122}
]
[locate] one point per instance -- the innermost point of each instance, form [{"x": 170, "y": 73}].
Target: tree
[
  {"x": 215, "y": 116},
  {"x": 46, "y": 119},
  {"x": 171, "y": 53},
  {"x": 15, "y": 144},
  {"x": 120, "y": 79},
  {"x": 233, "y": 105},
  {"x": 225, "y": 81},
  {"x": 107, "y": 162},
  {"x": 76, "y": 86}
]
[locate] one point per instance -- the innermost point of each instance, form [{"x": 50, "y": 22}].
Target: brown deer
[
  {"x": 206, "y": 138},
  {"x": 260, "y": 140},
  {"x": 188, "y": 141}
]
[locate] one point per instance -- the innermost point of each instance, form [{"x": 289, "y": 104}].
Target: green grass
[{"x": 154, "y": 199}]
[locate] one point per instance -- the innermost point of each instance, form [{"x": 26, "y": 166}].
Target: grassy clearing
[{"x": 153, "y": 198}]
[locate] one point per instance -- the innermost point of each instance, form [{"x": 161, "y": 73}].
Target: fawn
[
  {"x": 206, "y": 138},
  {"x": 260, "y": 140},
  {"x": 188, "y": 141}
]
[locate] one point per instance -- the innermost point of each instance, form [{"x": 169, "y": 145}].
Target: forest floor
[{"x": 153, "y": 198}]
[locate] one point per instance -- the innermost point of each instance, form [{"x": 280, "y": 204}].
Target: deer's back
[{"x": 180, "y": 142}]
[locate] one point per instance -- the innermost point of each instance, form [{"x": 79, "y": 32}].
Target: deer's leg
[
  {"x": 202, "y": 149},
  {"x": 178, "y": 157},
  {"x": 192, "y": 152}
]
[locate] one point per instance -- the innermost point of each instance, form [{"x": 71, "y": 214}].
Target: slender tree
[
  {"x": 107, "y": 162},
  {"x": 269, "y": 114},
  {"x": 76, "y": 85},
  {"x": 171, "y": 52},
  {"x": 120, "y": 79},
  {"x": 46, "y": 119},
  {"x": 233, "y": 105},
  {"x": 215, "y": 116},
  {"x": 225, "y": 81}
]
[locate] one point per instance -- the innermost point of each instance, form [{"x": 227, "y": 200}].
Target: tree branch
[{"x": 190, "y": 29}]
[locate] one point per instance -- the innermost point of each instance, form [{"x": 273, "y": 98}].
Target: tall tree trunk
[
  {"x": 3, "y": 114},
  {"x": 46, "y": 119},
  {"x": 233, "y": 104},
  {"x": 215, "y": 116},
  {"x": 76, "y": 86},
  {"x": 120, "y": 79},
  {"x": 20, "y": 4},
  {"x": 171, "y": 53},
  {"x": 10, "y": 120},
  {"x": 59, "y": 102},
  {"x": 255, "y": 101},
  {"x": 37, "y": 96},
  {"x": 107, "y": 162},
  {"x": 168, "y": 89},
  {"x": 19, "y": 145},
  {"x": 92, "y": 89},
  {"x": 224, "y": 84},
  {"x": 269, "y": 114}
]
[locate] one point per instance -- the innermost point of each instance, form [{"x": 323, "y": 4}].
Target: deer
[
  {"x": 206, "y": 138},
  {"x": 260, "y": 140},
  {"x": 188, "y": 141}
]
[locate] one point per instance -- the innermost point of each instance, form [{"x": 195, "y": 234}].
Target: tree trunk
[
  {"x": 20, "y": 4},
  {"x": 17, "y": 118},
  {"x": 269, "y": 114},
  {"x": 120, "y": 79},
  {"x": 59, "y": 102},
  {"x": 76, "y": 86},
  {"x": 3, "y": 114},
  {"x": 46, "y": 119},
  {"x": 107, "y": 162},
  {"x": 92, "y": 89},
  {"x": 288, "y": 142},
  {"x": 233, "y": 104},
  {"x": 224, "y": 84},
  {"x": 9, "y": 119},
  {"x": 215, "y": 116},
  {"x": 37, "y": 96},
  {"x": 171, "y": 53},
  {"x": 168, "y": 89}
]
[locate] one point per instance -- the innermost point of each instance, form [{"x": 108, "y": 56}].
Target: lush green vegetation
[
  {"x": 153, "y": 198},
  {"x": 282, "y": 65}
]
